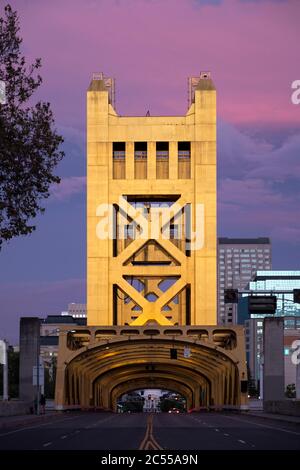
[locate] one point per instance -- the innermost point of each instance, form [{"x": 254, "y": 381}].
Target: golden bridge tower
[
  {"x": 151, "y": 211},
  {"x": 151, "y": 261}
]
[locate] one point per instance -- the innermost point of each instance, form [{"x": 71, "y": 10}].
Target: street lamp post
[
  {"x": 4, "y": 361},
  {"x": 51, "y": 333},
  {"x": 2, "y": 92},
  {"x": 261, "y": 377},
  {"x": 38, "y": 394},
  {"x": 5, "y": 373},
  {"x": 3, "y": 343},
  {"x": 38, "y": 367}
]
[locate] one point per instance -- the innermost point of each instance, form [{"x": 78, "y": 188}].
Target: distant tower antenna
[
  {"x": 193, "y": 83},
  {"x": 110, "y": 84}
]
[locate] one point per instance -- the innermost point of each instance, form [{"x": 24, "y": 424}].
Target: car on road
[{"x": 174, "y": 410}]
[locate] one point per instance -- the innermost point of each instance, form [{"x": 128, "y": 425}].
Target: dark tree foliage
[{"x": 29, "y": 143}]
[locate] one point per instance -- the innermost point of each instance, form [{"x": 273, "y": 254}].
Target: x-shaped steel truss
[{"x": 151, "y": 311}]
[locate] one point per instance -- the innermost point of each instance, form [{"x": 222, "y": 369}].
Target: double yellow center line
[{"x": 149, "y": 442}]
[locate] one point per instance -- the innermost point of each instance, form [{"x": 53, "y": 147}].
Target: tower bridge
[
  {"x": 151, "y": 260},
  {"x": 103, "y": 363}
]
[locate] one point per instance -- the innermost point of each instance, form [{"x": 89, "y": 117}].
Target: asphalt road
[{"x": 198, "y": 431}]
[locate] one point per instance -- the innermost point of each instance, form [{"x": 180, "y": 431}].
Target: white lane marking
[
  {"x": 63, "y": 437},
  {"x": 105, "y": 420},
  {"x": 217, "y": 430},
  {"x": 77, "y": 431},
  {"x": 47, "y": 444},
  {"x": 38, "y": 426},
  {"x": 263, "y": 425},
  {"x": 242, "y": 442},
  {"x": 225, "y": 434}
]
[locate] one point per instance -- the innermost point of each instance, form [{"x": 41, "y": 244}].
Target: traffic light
[
  {"x": 231, "y": 296},
  {"x": 262, "y": 304},
  {"x": 296, "y": 293},
  {"x": 173, "y": 353}
]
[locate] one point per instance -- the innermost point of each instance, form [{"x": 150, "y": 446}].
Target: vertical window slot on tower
[
  {"x": 119, "y": 161},
  {"x": 184, "y": 160},
  {"x": 140, "y": 160},
  {"x": 162, "y": 160}
]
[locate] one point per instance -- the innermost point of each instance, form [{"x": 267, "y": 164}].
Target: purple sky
[{"x": 151, "y": 47}]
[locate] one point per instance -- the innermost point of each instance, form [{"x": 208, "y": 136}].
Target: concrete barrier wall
[
  {"x": 14, "y": 408},
  {"x": 283, "y": 407}
]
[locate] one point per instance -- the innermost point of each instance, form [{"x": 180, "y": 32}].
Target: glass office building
[
  {"x": 273, "y": 282},
  {"x": 276, "y": 281}
]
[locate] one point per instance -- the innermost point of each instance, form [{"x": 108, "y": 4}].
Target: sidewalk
[
  {"x": 7, "y": 422},
  {"x": 274, "y": 416}
]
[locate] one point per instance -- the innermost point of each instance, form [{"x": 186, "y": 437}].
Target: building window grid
[
  {"x": 184, "y": 154},
  {"x": 162, "y": 154},
  {"x": 140, "y": 155},
  {"x": 119, "y": 154}
]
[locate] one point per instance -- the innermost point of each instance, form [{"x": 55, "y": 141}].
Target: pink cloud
[
  {"x": 265, "y": 217},
  {"x": 152, "y": 46},
  {"x": 280, "y": 163},
  {"x": 250, "y": 157},
  {"x": 259, "y": 186},
  {"x": 249, "y": 192}
]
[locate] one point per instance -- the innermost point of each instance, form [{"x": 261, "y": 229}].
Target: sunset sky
[{"x": 251, "y": 48}]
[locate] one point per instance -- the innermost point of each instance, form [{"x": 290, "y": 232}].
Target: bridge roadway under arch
[{"x": 97, "y": 365}]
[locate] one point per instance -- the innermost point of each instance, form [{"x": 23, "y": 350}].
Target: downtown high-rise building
[
  {"x": 238, "y": 261},
  {"x": 77, "y": 310}
]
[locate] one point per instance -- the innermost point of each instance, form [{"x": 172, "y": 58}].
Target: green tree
[{"x": 29, "y": 143}]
